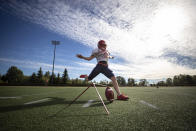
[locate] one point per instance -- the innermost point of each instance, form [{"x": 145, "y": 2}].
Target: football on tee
[{"x": 109, "y": 94}]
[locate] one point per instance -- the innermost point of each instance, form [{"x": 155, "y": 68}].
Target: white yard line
[
  {"x": 88, "y": 103},
  {"x": 148, "y": 104},
  {"x": 19, "y": 97},
  {"x": 38, "y": 101},
  {"x": 10, "y": 97}
]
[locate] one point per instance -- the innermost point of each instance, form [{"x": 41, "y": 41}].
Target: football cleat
[{"x": 122, "y": 97}]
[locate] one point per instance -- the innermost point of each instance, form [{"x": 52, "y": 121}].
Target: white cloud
[
  {"x": 37, "y": 65},
  {"x": 139, "y": 32},
  {"x": 155, "y": 69},
  {"x": 85, "y": 64}
]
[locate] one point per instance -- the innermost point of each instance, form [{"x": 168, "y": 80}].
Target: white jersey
[{"x": 101, "y": 55}]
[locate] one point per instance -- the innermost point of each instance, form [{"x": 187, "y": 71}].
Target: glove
[
  {"x": 79, "y": 56},
  {"x": 111, "y": 57}
]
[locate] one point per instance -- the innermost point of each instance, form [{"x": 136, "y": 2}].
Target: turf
[{"x": 175, "y": 109}]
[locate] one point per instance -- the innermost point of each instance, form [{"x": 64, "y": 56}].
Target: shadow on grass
[
  {"x": 52, "y": 101},
  {"x": 99, "y": 103},
  {"x": 84, "y": 115},
  {"x": 96, "y": 104}
]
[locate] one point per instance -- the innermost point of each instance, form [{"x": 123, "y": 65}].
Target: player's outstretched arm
[{"x": 85, "y": 58}]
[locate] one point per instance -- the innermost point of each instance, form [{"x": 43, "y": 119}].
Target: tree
[
  {"x": 169, "y": 82},
  {"x": 4, "y": 78},
  {"x": 143, "y": 82},
  {"x": 184, "y": 80},
  {"x": 14, "y": 75},
  {"x": 131, "y": 82},
  {"x": 121, "y": 80},
  {"x": 58, "y": 79},
  {"x": 52, "y": 79},
  {"x": 65, "y": 76},
  {"x": 189, "y": 80},
  {"x": 194, "y": 80},
  {"x": 47, "y": 75},
  {"x": 176, "y": 81},
  {"x": 40, "y": 75},
  {"x": 104, "y": 82},
  {"x": 1, "y": 79},
  {"x": 26, "y": 80},
  {"x": 33, "y": 78},
  {"x": 161, "y": 83}
]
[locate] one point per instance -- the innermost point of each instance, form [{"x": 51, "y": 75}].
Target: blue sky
[
  {"x": 149, "y": 39},
  {"x": 28, "y": 46}
]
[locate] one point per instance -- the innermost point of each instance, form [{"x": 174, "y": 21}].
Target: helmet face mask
[{"x": 102, "y": 45}]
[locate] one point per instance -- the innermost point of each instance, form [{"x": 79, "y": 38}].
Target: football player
[{"x": 102, "y": 55}]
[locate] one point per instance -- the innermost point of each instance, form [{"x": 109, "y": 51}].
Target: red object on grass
[
  {"x": 83, "y": 76},
  {"x": 122, "y": 97}
]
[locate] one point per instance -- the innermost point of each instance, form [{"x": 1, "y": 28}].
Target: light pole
[{"x": 54, "y": 42}]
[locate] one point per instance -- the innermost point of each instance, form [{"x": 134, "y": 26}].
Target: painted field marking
[
  {"x": 148, "y": 104},
  {"x": 10, "y": 97},
  {"x": 38, "y": 101},
  {"x": 88, "y": 103},
  {"x": 19, "y": 97}
]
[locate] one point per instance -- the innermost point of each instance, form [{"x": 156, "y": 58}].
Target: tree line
[
  {"x": 15, "y": 76},
  {"x": 177, "y": 80}
]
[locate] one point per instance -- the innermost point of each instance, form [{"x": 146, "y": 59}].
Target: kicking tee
[{"x": 101, "y": 55}]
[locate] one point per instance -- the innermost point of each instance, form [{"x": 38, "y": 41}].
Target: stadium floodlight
[{"x": 55, "y": 43}]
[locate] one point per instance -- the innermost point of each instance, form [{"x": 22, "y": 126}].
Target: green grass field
[{"x": 165, "y": 108}]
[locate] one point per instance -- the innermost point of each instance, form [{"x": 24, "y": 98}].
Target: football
[{"x": 109, "y": 94}]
